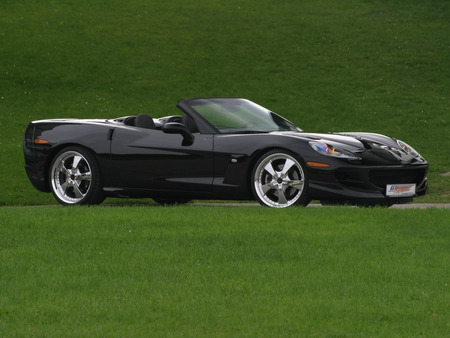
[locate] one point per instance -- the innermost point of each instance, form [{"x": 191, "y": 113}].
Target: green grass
[
  {"x": 380, "y": 66},
  {"x": 327, "y": 65},
  {"x": 221, "y": 271}
]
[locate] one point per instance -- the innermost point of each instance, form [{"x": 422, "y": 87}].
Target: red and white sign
[{"x": 401, "y": 190}]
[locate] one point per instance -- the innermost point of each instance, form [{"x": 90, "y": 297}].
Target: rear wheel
[
  {"x": 75, "y": 177},
  {"x": 279, "y": 180}
]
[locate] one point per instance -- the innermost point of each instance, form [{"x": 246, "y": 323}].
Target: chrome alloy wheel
[
  {"x": 279, "y": 180},
  {"x": 71, "y": 177}
]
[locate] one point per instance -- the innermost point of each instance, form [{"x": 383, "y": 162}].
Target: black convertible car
[{"x": 218, "y": 148}]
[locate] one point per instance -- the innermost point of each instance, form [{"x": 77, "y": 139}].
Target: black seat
[
  {"x": 189, "y": 123},
  {"x": 144, "y": 121},
  {"x": 130, "y": 121}
]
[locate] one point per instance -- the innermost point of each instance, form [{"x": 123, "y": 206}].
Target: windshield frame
[{"x": 236, "y": 116}]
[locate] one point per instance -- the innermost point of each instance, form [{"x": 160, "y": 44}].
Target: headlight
[
  {"x": 408, "y": 149},
  {"x": 329, "y": 150}
]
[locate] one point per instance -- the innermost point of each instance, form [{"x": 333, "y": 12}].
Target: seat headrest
[{"x": 144, "y": 121}]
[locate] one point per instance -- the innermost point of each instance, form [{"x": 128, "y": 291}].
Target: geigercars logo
[
  {"x": 400, "y": 188},
  {"x": 396, "y": 190}
]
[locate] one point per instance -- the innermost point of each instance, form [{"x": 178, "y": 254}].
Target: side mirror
[{"x": 178, "y": 128}]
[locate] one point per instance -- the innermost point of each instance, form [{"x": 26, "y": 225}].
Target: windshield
[{"x": 240, "y": 116}]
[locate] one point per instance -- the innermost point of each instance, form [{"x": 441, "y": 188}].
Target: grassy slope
[
  {"x": 378, "y": 66},
  {"x": 221, "y": 271}
]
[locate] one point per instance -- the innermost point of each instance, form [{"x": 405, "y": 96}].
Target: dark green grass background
[{"x": 380, "y": 66}]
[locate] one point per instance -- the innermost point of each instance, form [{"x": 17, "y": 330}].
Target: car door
[{"x": 150, "y": 159}]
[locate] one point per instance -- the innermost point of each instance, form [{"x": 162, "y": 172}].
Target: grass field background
[
  {"x": 380, "y": 66},
  {"x": 224, "y": 272}
]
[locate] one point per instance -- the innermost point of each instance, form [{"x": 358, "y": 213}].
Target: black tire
[
  {"x": 75, "y": 177},
  {"x": 279, "y": 180}
]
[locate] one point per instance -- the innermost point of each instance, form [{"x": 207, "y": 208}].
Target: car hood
[{"x": 370, "y": 147}]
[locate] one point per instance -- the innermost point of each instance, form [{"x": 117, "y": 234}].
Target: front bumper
[{"x": 365, "y": 182}]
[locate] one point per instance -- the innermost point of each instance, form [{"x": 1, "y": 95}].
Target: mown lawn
[
  {"x": 380, "y": 66},
  {"x": 224, "y": 271}
]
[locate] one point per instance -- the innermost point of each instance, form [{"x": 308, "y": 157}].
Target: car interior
[{"x": 146, "y": 121}]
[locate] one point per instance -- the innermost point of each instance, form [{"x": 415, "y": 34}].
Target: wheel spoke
[
  {"x": 297, "y": 184},
  {"x": 287, "y": 166},
  {"x": 266, "y": 188},
  {"x": 282, "y": 197},
  {"x": 269, "y": 168},
  {"x": 76, "y": 190},
  {"x": 86, "y": 176},
  {"x": 76, "y": 161},
  {"x": 62, "y": 168},
  {"x": 64, "y": 186},
  {"x": 65, "y": 171}
]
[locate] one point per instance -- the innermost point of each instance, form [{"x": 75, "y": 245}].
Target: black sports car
[{"x": 218, "y": 148}]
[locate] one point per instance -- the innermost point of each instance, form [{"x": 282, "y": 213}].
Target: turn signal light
[
  {"x": 40, "y": 141},
  {"x": 318, "y": 164}
]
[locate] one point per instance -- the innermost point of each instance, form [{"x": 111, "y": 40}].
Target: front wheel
[
  {"x": 75, "y": 177},
  {"x": 279, "y": 180}
]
